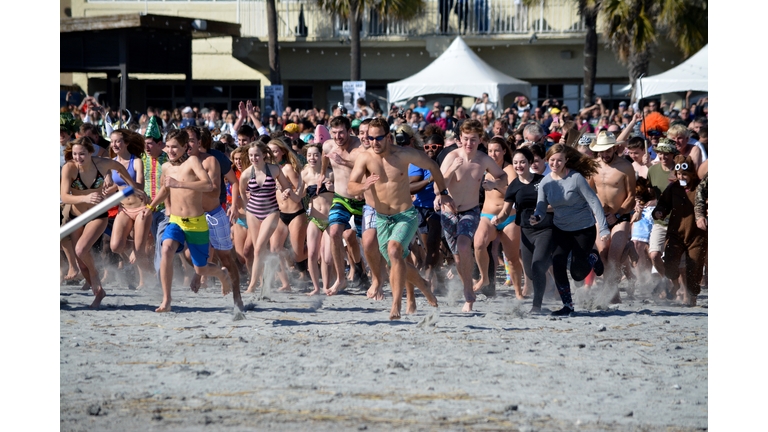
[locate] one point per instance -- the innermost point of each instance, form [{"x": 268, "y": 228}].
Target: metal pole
[{"x": 96, "y": 210}]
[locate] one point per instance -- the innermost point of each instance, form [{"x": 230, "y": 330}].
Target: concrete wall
[{"x": 211, "y": 58}]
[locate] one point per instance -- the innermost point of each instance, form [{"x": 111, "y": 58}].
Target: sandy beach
[{"x": 292, "y": 362}]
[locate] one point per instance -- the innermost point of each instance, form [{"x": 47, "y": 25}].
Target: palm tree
[
  {"x": 634, "y": 27},
  {"x": 353, "y": 10},
  {"x": 588, "y": 10},
  {"x": 274, "y": 59}
]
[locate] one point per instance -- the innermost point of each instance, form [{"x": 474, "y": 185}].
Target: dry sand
[{"x": 337, "y": 363}]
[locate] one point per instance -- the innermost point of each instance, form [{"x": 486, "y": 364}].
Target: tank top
[
  {"x": 131, "y": 172},
  {"x": 263, "y": 199}
]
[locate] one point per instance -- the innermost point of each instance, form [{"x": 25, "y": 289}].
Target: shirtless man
[
  {"x": 341, "y": 151},
  {"x": 220, "y": 233},
  {"x": 463, "y": 170},
  {"x": 385, "y": 166},
  {"x": 184, "y": 181},
  {"x": 370, "y": 239},
  {"x": 615, "y": 186}
]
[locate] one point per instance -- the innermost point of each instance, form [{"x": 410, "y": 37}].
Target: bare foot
[
  {"x": 395, "y": 313},
  {"x": 204, "y": 282},
  {"x": 313, "y": 292},
  {"x": 164, "y": 307},
  {"x": 691, "y": 301},
  {"x": 250, "y": 290},
  {"x": 86, "y": 286},
  {"x": 479, "y": 285},
  {"x": 286, "y": 288},
  {"x": 72, "y": 275},
  {"x": 616, "y": 299},
  {"x": 100, "y": 294},
  {"x": 239, "y": 304},
  {"x": 410, "y": 307},
  {"x": 226, "y": 282},
  {"x": 188, "y": 281},
  {"x": 339, "y": 286},
  {"x": 375, "y": 292},
  {"x": 194, "y": 285},
  {"x": 467, "y": 306}
]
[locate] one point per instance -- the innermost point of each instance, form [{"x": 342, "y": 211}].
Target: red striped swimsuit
[{"x": 263, "y": 199}]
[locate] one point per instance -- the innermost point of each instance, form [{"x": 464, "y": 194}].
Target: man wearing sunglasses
[
  {"x": 384, "y": 166},
  {"x": 422, "y": 187}
]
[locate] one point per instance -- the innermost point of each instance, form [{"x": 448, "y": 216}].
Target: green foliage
[{"x": 405, "y": 9}]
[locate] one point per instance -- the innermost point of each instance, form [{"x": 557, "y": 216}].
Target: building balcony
[{"x": 305, "y": 21}]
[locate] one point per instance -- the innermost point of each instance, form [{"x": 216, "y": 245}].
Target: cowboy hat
[{"x": 605, "y": 140}]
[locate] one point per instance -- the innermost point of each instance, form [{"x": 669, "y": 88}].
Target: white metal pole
[{"x": 96, "y": 210}]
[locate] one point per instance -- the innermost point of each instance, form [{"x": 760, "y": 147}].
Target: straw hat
[{"x": 605, "y": 140}]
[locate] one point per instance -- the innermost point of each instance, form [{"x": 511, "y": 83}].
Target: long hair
[
  {"x": 134, "y": 142},
  {"x": 287, "y": 154},
  {"x": 83, "y": 141},
  {"x": 574, "y": 160},
  {"x": 503, "y": 143},
  {"x": 266, "y": 152},
  {"x": 240, "y": 153}
]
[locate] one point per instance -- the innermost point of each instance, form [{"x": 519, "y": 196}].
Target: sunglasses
[
  {"x": 653, "y": 133},
  {"x": 683, "y": 166},
  {"x": 432, "y": 146},
  {"x": 378, "y": 138}
]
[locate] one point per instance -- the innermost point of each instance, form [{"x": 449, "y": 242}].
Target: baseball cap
[
  {"x": 291, "y": 128},
  {"x": 622, "y": 104},
  {"x": 554, "y": 111},
  {"x": 356, "y": 123},
  {"x": 447, "y": 108},
  {"x": 421, "y": 99},
  {"x": 186, "y": 110}
]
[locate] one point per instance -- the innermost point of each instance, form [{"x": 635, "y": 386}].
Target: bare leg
[
  {"x": 510, "y": 242},
  {"x": 314, "y": 244},
  {"x": 277, "y": 241},
  {"x": 414, "y": 279},
  {"x": 336, "y": 231},
  {"x": 612, "y": 258},
  {"x": 326, "y": 256},
  {"x": 375, "y": 261},
  {"x": 396, "y": 277},
  {"x": 260, "y": 232},
  {"x": 69, "y": 252},
  {"x": 168, "y": 251},
  {"x": 225, "y": 257},
  {"x": 218, "y": 272},
  {"x": 141, "y": 232},
  {"x": 298, "y": 232},
  {"x": 464, "y": 266},
  {"x": 485, "y": 234},
  {"x": 83, "y": 240}
]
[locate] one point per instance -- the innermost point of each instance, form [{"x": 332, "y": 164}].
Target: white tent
[
  {"x": 692, "y": 74},
  {"x": 458, "y": 71}
]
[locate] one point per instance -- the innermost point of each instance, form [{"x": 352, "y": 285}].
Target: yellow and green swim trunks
[{"x": 194, "y": 232}]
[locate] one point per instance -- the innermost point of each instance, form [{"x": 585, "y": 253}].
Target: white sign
[
  {"x": 353, "y": 90},
  {"x": 273, "y": 99}
]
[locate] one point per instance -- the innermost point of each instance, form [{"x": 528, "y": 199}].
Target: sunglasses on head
[{"x": 432, "y": 146}]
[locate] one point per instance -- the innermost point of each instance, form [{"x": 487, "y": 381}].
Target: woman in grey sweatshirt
[{"x": 577, "y": 209}]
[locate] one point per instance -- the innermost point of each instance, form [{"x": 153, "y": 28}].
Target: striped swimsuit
[{"x": 263, "y": 199}]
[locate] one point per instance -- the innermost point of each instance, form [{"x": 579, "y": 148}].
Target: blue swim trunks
[
  {"x": 343, "y": 209},
  {"x": 194, "y": 232}
]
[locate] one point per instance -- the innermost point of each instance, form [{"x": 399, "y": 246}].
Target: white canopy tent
[
  {"x": 692, "y": 74},
  {"x": 458, "y": 71}
]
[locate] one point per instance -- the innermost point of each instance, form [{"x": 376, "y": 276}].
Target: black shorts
[
  {"x": 288, "y": 217},
  {"x": 426, "y": 213},
  {"x": 623, "y": 218}
]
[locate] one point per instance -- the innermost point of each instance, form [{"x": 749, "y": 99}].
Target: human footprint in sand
[
  {"x": 385, "y": 168},
  {"x": 184, "y": 181}
]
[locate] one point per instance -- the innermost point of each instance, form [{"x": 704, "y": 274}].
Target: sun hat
[{"x": 605, "y": 140}]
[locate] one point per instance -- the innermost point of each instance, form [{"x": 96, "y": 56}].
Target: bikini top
[
  {"x": 313, "y": 192},
  {"x": 131, "y": 172},
  {"x": 79, "y": 185}
]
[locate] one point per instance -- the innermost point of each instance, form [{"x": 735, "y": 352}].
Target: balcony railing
[{"x": 441, "y": 17}]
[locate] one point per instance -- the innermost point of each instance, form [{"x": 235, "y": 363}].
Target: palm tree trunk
[
  {"x": 637, "y": 66},
  {"x": 590, "y": 53},
  {"x": 355, "y": 23},
  {"x": 274, "y": 59}
]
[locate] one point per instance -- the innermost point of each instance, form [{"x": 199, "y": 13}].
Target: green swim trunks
[
  {"x": 323, "y": 225},
  {"x": 399, "y": 227}
]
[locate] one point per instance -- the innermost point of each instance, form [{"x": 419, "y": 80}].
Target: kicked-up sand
[{"x": 298, "y": 363}]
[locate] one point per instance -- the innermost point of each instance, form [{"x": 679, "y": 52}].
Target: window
[{"x": 300, "y": 97}]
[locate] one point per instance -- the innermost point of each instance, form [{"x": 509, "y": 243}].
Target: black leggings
[
  {"x": 579, "y": 244},
  {"x": 537, "y": 247}
]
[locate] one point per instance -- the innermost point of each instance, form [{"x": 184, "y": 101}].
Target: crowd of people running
[{"x": 328, "y": 201}]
